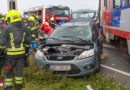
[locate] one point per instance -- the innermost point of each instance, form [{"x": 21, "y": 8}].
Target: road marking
[{"x": 116, "y": 70}]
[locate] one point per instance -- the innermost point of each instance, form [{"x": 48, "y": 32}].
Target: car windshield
[
  {"x": 61, "y": 12},
  {"x": 72, "y": 33},
  {"x": 84, "y": 15}
]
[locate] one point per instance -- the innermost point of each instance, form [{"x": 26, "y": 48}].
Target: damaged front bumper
[{"x": 77, "y": 67}]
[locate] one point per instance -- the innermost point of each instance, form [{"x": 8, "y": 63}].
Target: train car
[
  {"x": 115, "y": 22},
  {"x": 61, "y": 14}
]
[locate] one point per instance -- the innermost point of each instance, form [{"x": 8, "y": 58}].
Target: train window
[
  {"x": 106, "y": 4},
  {"x": 128, "y": 1},
  {"x": 116, "y": 4}
]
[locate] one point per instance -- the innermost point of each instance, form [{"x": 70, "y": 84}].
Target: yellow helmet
[
  {"x": 31, "y": 18},
  {"x": 37, "y": 16},
  {"x": 13, "y": 16},
  {"x": 2, "y": 18}
]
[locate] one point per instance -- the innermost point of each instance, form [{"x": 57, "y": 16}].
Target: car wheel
[{"x": 98, "y": 65}]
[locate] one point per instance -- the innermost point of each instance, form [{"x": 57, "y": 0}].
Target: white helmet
[
  {"x": 52, "y": 18},
  {"x": 46, "y": 23}
]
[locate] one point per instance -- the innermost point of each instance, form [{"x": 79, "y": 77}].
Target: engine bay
[{"x": 65, "y": 50}]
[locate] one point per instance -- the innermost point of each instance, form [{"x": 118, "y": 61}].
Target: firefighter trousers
[
  {"x": 17, "y": 65},
  {"x": 2, "y": 59}
]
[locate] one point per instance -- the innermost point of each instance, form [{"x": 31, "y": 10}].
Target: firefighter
[
  {"x": 33, "y": 27},
  {"x": 3, "y": 20},
  {"x": 46, "y": 29},
  {"x": 16, "y": 39},
  {"x": 52, "y": 23},
  {"x": 3, "y": 23},
  {"x": 36, "y": 19},
  {"x": 1, "y": 59}
]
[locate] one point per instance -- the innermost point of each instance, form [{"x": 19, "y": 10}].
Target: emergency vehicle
[
  {"x": 61, "y": 14},
  {"x": 115, "y": 22}
]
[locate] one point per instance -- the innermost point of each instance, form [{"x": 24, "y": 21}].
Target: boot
[
  {"x": 8, "y": 88},
  {"x": 18, "y": 87}
]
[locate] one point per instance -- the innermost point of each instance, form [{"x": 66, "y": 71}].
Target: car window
[
  {"x": 83, "y": 15},
  {"x": 83, "y": 32}
]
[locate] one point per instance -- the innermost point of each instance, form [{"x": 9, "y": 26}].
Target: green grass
[
  {"x": 35, "y": 78},
  {"x": 38, "y": 79}
]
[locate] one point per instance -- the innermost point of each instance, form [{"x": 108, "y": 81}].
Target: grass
[
  {"x": 38, "y": 79},
  {"x": 35, "y": 78}
]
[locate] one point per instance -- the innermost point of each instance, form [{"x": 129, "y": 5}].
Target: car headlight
[
  {"x": 86, "y": 54},
  {"x": 39, "y": 55}
]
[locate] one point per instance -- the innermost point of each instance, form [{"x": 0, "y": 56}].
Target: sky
[{"x": 73, "y": 4}]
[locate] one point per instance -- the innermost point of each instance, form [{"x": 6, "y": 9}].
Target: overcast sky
[{"x": 73, "y": 4}]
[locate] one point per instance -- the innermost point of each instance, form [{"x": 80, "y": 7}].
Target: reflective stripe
[
  {"x": 18, "y": 82},
  {"x": 16, "y": 49},
  {"x": 12, "y": 40},
  {"x": 33, "y": 35},
  {"x": 36, "y": 39},
  {"x": 8, "y": 83},
  {"x": 8, "y": 80},
  {"x": 2, "y": 46},
  {"x": 15, "y": 53},
  {"x": 21, "y": 45},
  {"x": 13, "y": 50},
  {"x": 27, "y": 45},
  {"x": 33, "y": 28},
  {"x": 29, "y": 27},
  {"x": 18, "y": 78}
]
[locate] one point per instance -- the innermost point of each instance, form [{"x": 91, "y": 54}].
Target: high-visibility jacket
[
  {"x": 15, "y": 38},
  {"x": 33, "y": 29}
]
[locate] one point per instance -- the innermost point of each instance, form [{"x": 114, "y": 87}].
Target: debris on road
[
  {"x": 89, "y": 87},
  {"x": 103, "y": 56}
]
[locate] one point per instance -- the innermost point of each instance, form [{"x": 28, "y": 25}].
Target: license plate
[{"x": 60, "y": 67}]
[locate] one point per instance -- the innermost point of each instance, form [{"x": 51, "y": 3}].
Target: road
[{"x": 115, "y": 66}]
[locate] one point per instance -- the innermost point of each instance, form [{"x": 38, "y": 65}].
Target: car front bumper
[{"x": 78, "y": 67}]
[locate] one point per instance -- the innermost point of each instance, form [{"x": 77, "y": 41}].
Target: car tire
[{"x": 99, "y": 65}]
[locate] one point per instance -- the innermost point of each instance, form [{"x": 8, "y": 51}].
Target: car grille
[
  {"x": 74, "y": 70},
  {"x": 60, "y": 58}
]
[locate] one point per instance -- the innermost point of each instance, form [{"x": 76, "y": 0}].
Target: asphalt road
[{"x": 115, "y": 66}]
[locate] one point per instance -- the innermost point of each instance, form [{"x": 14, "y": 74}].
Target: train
[{"x": 114, "y": 18}]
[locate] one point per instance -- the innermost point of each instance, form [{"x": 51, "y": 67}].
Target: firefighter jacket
[
  {"x": 16, "y": 38},
  {"x": 33, "y": 29},
  {"x": 53, "y": 24},
  {"x": 48, "y": 30},
  {"x": 36, "y": 22}
]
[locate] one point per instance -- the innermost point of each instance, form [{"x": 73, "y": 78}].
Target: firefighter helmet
[
  {"x": 13, "y": 16},
  {"x": 2, "y": 18},
  {"x": 52, "y": 18},
  {"x": 31, "y": 18}
]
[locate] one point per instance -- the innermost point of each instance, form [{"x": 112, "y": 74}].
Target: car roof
[
  {"x": 84, "y": 11},
  {"x": 77, "y": 24}
]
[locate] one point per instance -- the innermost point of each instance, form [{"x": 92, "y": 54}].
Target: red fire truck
[{"x": 61, "y": 14}]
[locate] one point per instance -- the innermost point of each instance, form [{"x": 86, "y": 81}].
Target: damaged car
[{"x": 73, "y": 49}]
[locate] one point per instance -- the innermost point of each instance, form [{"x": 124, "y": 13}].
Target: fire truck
[
  {"x": 61, "y": 14},
  {"x": 115, "y": 21}
]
